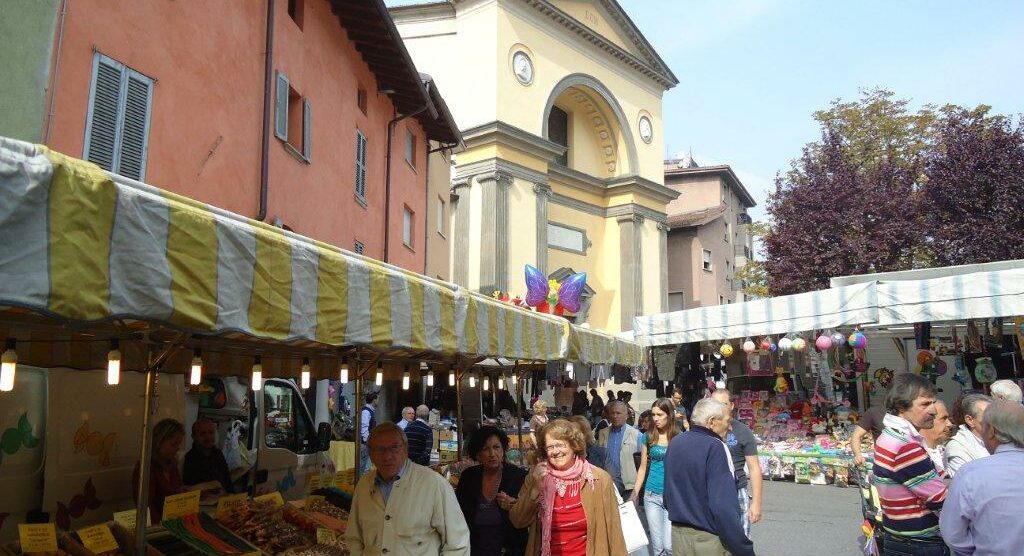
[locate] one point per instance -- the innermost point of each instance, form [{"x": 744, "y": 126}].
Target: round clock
[
  {"x": 646, "y": 129},
  {"x": 522, "y": 66}
]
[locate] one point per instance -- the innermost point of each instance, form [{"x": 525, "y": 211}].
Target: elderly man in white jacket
[
  {"x": 966, "y": 445},
  {"x": 403, "y": 509}
]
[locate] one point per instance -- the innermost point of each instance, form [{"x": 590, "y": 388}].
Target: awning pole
[
  {"x": 519, "y": 410},
  {"x": 458, "y": 411},
  {"x": 358, "y": 436}
]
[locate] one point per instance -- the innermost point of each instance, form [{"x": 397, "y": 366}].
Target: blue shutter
[
  {"x": 281, "y": 113},
  {"x": 135, "y": 126},
  {"x": 307, "y": 133},
  {"x": 104, "y": 108}
]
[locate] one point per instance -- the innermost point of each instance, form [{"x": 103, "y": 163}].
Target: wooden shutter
[
  {"x": 281, "y": 108},
  {"x": 101, "y": 131},
  {"x": 135, "y": 127},
  {"x": 307, "y": 133},
  {"x": 360, "y": 165}
]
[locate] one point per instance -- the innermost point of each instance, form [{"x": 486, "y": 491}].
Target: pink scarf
[{"x": 569, "y": 480}]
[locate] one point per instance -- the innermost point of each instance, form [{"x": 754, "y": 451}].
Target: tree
[
  {"x": 752, "y": 273},
  {"x": 974, "y": 194}
]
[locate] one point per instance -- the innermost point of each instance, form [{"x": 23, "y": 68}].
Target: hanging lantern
[
  {"x": 858, "y": 340},
  {"x": 748, "y": 346},
  {"x": 430, "y": 377},
  {"x": 451, "y": 376},
  {"x": 8, "y": 366},
  {"x": 773, "y": 347},
  {"x": 343, "y": 375},
  {"x": 257, "y": 374},
  {"x": 799, "y": 344},
  {"x": 196, "y": 375},
  {"x": 305, "y": 375},
  {"x": 823, "y": 343},
  {"x": 114, "y": 363},
  {"x": 726, "y": 350},
  {"x": 379, "y": 379},
  {"x": 785, "y": 344},
  {"x": 766, "y": 345},
  {"x": 838, "y": 339}
]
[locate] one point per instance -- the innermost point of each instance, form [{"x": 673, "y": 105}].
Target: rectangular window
[
  {"x": 721, "y": 300},
  {"x": 290, "y": 428},
  {"x": 295, "y": 11},
  {"x": 360, "y": 247},
  {"x": 728, "y": 232},
  {"x": 567, "y": 239},
  {"x": 558, "y": 132},
  {"x": 440, "y": 216},
  {"x": 410, "y": 148},
  {"x": 675, "y": 301},
  {"x": 360, "y": 166},
  {"x": 361, "y": 100},
  {"x": 117, "y": 127},
  {"x": 293, "y": 118},
  {"x": 408, "y": 223},
  {"x": 706, "y": 254},
  {"x": 728, "y": 270}
]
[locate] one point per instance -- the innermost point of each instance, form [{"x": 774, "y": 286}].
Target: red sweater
[{"x": 568, "y": 526}]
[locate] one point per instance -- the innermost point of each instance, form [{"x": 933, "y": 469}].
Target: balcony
[{"x": 743, "y": 251}]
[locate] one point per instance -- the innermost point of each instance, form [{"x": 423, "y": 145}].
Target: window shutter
[
  {"x": 307, "y": 129},
  {"x": 101, "y": 135},
  {"x": 134, "y": 132},
  {"x": 281, "y": 114},
  {"x": 360, "y": 164}
]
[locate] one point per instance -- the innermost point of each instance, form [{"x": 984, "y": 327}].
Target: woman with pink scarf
[{"x": 569, "y": 505}]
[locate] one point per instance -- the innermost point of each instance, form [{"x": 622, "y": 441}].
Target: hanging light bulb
[
  {"x": 451, "y": 376},
  {"x": 196, "y": 376},
  {"x": 501, "y": 382},
  {"x": 344, "y": 371},
  {"x": 430, "y": 377},
  {"x": 257, "y": 374},
  {"x": 472, "y": 381},
  {"x": 487, "y": 382},
  {"x": 570, "y": 370},
  {"x": 114, "y": 363},
  {"x": 305, "y": 373},
  {"x": 380, "y": 373},
  {"x": 512, "y": 380},
  {"x": 8, "y": 365},
  {"x": 406, "y": 378}
]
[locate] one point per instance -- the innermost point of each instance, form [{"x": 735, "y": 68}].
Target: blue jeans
[
  {"x": 896, "y": 546},
  {"x": 659, "y": 524}
]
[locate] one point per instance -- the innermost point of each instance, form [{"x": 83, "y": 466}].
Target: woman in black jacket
[{"x": 487, "y": 491}]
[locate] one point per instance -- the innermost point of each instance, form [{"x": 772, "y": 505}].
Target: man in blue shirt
[{"x": 620, "y": 442}]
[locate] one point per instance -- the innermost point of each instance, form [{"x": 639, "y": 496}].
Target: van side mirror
[{"x": 324, "y": 437}]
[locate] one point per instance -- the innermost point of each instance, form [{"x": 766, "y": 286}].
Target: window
[
  {"x": 360, "y": 166},
  {"x": 360, "y": 247},
  {"x": 410, "y": 148},
  {"x": 567, "y": 238},
  {"x": 408, "y": 222},
  {"x": 295, "y": 10},
  {"x": 721, "y": 300},
  {"x": 728, "y": 270},
  {"x": 117, "y": 128},
  {"x": 293, "y": 119},
  {"x": 706, "y": 254},
  {"x": 558, "y": 132},
  {"x": 728, "y": 232},
  {"x": 287, "y": 424},
  {"x": 440, "y": 216},
  {"x": 675, "y": 301},
  {"x": 361, "y": 100}
]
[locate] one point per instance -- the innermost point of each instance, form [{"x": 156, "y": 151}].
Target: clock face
[
  {"x": 522, "y": 66},
  {"x": 646, "y": 129}
]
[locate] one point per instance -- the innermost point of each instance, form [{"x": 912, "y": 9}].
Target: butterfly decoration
[{"x": 551, "y": 296}]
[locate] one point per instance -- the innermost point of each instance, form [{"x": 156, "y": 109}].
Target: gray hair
[
  {"x": 1006, "y": 390},
  {"x": 972, "y": 404},
  {"x": 706, "y": 409},
  {"x": 1007, "y": 418},
  {"x": 906, "y": 388},
  {"x": 387, "y": 427},
  {"x": 422, "y": 412}
]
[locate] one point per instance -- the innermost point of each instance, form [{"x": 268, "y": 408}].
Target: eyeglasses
[
  {"x": 392, "y": 450},
  {"x": 555, "y": 447}
]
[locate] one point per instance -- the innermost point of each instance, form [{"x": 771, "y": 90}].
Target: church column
[
  {"x": 460, "y": 232},
  {"x": 494, "y": 236},
  {"x": 543, "y": 193},
  {"x": 663, "y": 263},
  {"x": 630, "y": 268}
]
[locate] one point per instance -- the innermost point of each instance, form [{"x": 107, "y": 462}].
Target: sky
[{"x": 752, "y": 72}]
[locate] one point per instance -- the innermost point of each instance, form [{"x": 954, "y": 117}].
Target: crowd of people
[{"x": 696, "y": 477}]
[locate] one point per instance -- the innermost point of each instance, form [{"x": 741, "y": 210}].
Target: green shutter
[{"x": 281, "y": 107}]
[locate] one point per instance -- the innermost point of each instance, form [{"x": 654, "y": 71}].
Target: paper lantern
[
  {"x": 748, "y": 346},
  {"x": 785, "y": 344},
  {"x": 838, "y": 339},
  {"x": 725, "y": 350},
  {"x": 799, "y": 344},
  {"x": 858, "y": 340},
  {"x": 766, "y": 344},
  {"x": 824, "y": 342}
]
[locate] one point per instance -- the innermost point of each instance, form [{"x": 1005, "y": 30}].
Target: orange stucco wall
[{"x": 207, "y": 59}]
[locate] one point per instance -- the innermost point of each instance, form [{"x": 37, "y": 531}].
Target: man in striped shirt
[{"x": 909, "y": 487}]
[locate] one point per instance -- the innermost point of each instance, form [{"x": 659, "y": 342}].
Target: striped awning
[
  {"x": 94, "y": 248},
  {"x": 997, "y": 293},
  {"x": 595, "y": 347}
]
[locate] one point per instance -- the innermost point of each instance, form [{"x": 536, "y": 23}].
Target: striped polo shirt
[{"x": 909, "y": 489}]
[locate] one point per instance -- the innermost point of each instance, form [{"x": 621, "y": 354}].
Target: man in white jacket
[
  {"x": 966, "y": 445},
  {"x": 403, "y": 509}
]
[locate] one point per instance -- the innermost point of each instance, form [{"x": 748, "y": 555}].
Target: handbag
[{"x": 632, "y": 529}]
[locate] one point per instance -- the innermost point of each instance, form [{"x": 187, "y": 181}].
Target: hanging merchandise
[
  {"x": 766, "y": 344},
  {"x": 773, "y": 347},
  {"x": 799, "y": 344},
  {"x": 726, "y": 350},
  {"x": 748, "y": 346},
  {"x": 824, "y": 342},
  {"x": 781, "y": 384},
  {"x": 884, "y": 376},
  {"x": 785, "y": 344},
  {"x": 923, "y": 335},
  {"x": 838, "y": 339},
  {"x": 858, "y": 340},
  {"x": 984, "y": 370},
  {"x": 961, "y": 375}
]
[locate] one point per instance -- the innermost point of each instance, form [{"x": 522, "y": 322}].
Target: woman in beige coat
[{"x": 569, "y": 505}]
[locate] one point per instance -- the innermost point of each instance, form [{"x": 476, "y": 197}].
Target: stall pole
[
  {"x": 519, "y": 411},
  {"x": 458, "y": 411},
  {"x": 357, "y": 438}
]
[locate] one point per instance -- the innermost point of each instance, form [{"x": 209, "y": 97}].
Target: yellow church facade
[{"x": 560, "y": 103}]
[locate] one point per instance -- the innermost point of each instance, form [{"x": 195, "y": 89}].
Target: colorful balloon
[
  {"x": 570, "y": 290},
  {"x": 536, "y": 286},
  {"x": 725, "y": 350},
  {"x": 785, "y": 344},
  {"x": 748, "y": 346},
  {"x": 766, "y": 344},
  {"x": 824, "y": 342},
  {"x": 799, "y": 344},
  {"x": 858, "y": 340},
  {"x": 838, "y": 339}
]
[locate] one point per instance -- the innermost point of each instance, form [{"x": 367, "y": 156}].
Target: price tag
[
  {"x": 40, "y": 537},
  {"x": 325, "y": 535},
  {"x": 126, "y": 519},
  {"x": 178, "y": 505},
  {"x": 98, "y": 538},
  {"x": 314, "y": 482},
  {"x": 225, "y": 503},
  {"x": 328, "y": 481},
  {"x": 274, "y": 498}
]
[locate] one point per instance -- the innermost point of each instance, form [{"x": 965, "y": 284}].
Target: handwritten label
[
  {"x": 98, "y": 538},
  {"x": 226, "y": 503},
  {"x": 178, "y": 505},
  {"x": 274, "y": 497},
  {"x": 342, "y": 478},
  {"x": 40, "y": 537},
  {"x": 325, "y": 535},
  {"x": 126, "y": 519}
]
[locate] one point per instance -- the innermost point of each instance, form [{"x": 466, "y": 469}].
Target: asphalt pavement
[{"x": 799, "y": 520}]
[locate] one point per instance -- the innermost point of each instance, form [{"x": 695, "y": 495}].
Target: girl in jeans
[{"x": 653, "y": 445}]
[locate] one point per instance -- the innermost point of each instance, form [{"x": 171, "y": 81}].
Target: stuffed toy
[{"x": 781, "y": 384}]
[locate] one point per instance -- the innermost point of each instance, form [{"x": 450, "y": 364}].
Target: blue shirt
[
  {"x": 386, "y": 486},
  {"x": 655, "y": 480},
  {"x": 613, "y": 451},
  {"x": 982, "y": 511}
]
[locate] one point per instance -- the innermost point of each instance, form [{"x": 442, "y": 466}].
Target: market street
[{"x": 808, "y": 520}]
